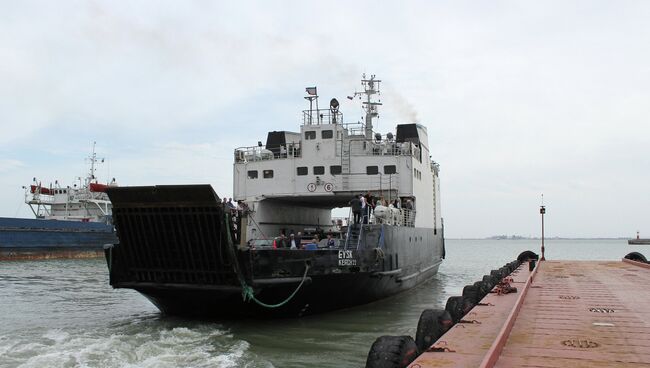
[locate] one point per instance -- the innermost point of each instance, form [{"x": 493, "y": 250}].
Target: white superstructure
[
  {"x": 294, "y": 181},
  {"x": 86, "y": 202}
]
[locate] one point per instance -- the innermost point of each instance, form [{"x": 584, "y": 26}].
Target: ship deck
[{"x": 565, "y": 314}]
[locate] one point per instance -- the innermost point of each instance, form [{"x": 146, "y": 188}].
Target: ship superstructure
[{"x": 296, "y": 179}]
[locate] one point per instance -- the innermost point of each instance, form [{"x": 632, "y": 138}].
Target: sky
[{"x": 520, "y": 98}]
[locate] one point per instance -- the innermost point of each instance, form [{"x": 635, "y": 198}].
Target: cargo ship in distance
[
  {"x": 70, "y": 222},
  {"x": 190, "y": 254}
]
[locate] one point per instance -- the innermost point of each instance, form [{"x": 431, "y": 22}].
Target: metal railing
[
  {"x": 260, "y": 153},
  {"x": 321, "y": 116},
  {"x": 385, "y": 147},
  {"x": 353, "y": 147}
]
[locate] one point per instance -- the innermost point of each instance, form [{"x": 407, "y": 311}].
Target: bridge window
[
  {"x": 252, "y": 174},
  {"x": 390, "y": 169},
  {"x": 302, "y": 170},
  {"x": 268, "y": 174},
  {"x": 335, "y": 169},
  {"x": 310, "y": 134},
  {"x": 372, "y": 170},
  {"x": 327, "y": 134},
  {"x": 319, "y": 170}
]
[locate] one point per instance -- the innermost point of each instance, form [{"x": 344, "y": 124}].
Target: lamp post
[{"x": 542, "y": 211}]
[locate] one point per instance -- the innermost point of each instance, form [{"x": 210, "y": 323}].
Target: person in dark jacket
[{"x": 355, "y": 205}]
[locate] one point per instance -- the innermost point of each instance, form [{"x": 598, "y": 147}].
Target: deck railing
[{"x": 356, "y": 147}]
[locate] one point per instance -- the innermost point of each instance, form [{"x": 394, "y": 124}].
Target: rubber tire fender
[
  {"x": 471, "y": 293},
  {"x": 490, "y": 281},
  {"x": 483, "y": 289},
  {"x": 432, "y": 324},
  {"x": 498, "y": 275},
  {"x": 636, "y": 256},
  {"x": 458, "y": 306},
  {"x": 526, "y": 255},
  {"x": 392, "y": 352}
]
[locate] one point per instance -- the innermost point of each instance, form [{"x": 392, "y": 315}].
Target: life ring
[
  {"x": 311, "y": 187},
  {"x": 328, "y": 187}
]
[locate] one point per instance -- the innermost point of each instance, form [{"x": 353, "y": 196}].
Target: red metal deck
[{"x": 565, "y": 314}]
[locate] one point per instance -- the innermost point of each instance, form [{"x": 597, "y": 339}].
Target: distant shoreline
[{"x": 552, "y": 238}]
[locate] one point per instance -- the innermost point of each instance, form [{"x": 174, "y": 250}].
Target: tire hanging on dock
[
  {"x": 526, "y": 255},
  {"x": 636, "y": 256},
  {"x": 432, "y": 324},
  {"x": 392, "y": 352}
]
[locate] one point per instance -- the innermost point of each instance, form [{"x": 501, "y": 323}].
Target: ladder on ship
[
  {"x": 345, "y": 164},
  {"x": 353, "y": 238}
]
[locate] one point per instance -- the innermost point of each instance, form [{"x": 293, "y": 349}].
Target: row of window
[
  {"x": 336, "y": 170},
  {"x": 320, "y": 170},
  {"x": 324, "y": 134},
  {"x": 417, "y": 173},
  {"x": 267, "y": 174}
]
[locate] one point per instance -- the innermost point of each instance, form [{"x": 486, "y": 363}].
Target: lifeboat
[
  {"x": 97, "y": 187},
  {"x": 40, "y": 190}
]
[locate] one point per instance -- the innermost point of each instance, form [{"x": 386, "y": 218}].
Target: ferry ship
[
  {"x": 191, "y": 254},
  {"x": 70, "y": 222}
]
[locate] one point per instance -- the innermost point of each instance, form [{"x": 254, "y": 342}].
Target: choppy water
[{"x": 63, "y": 313}]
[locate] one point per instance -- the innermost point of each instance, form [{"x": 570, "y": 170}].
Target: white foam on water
[{"x": 203, "y": 346}]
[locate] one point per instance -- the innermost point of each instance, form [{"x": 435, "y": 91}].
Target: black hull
[
  {"x": 322, "y": 294},
  {"x": 176, "y": 248}
]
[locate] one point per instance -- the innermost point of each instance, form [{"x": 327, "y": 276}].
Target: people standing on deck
[
  {"x": 230, "y": 204},
  {"x": 293, "y": 244},
  {"x": 355, "y": 205},
  {"x": 299, "y": 240},
  {"x": 371, "y": 202},
  {"x": 280, "y": 241},
  {"x": 364, "y": 209},
  {"x": 313, "y": 245},
  {"x": 331, "y": 243},
  {"x": 409, "y": 204}
]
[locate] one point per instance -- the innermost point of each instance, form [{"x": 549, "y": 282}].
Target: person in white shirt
[{"x": 292, "y": 242}]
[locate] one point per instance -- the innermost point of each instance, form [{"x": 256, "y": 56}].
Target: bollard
[{"x": 531, "y": 265}]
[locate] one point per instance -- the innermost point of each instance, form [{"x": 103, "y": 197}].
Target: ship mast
[
  {"x": 370, "y": 88},
  {"x": 93, "y": 160}
]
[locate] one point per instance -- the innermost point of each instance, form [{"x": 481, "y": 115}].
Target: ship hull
[
  {"x": 320, "y": 294},
  {"x": 177, "y": 247},
  {"x": 34, "y": 238}
]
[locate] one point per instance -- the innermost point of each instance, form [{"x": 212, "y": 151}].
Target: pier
[{"x": 563, "y": 314}]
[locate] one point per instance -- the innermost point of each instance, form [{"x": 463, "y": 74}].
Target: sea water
[{"x": 63, "y": 313}]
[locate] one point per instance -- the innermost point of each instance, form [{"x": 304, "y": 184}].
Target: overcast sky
[{"x": 520, "y": 98}]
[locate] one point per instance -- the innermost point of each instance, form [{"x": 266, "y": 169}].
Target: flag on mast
[{"x": 311, "y": 91}]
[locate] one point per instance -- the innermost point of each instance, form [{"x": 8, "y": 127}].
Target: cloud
[{"x": 518, "y": 99}]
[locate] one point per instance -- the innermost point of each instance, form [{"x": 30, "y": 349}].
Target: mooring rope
[{"x": 248, "y": 293}]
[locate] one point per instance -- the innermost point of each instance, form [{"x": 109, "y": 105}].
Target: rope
[
  {"x": 250, "y": 216},
  {"x": 248, "y": 293}
]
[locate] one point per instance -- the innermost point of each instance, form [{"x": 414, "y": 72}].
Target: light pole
[{"x": 542, "y": 211}]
